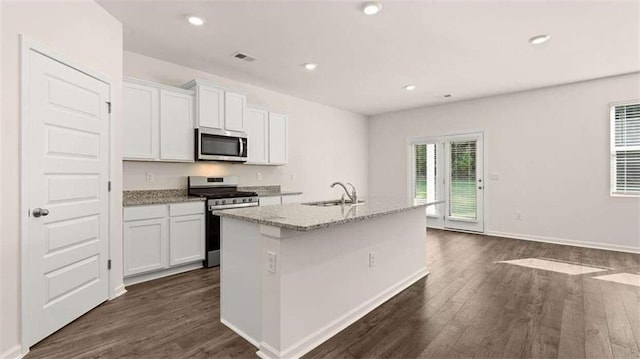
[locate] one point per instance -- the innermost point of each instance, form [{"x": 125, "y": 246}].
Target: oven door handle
[{"x": 241, "y": 147}]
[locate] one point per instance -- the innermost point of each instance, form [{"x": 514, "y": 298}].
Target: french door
[{"x": 450, "y": 169}]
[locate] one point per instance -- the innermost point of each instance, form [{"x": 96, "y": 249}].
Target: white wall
[
  {"x": 326, "y": 144},
  {"x": 550, "y": 148},
  {"x": 85, "y": 33}
]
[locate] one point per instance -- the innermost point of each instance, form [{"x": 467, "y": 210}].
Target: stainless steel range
[{"x": 221, "y": 193}]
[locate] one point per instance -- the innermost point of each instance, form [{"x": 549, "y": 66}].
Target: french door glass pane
[
  {"x": 425, "y": 176},
  {"x": 463, "y": 196}
]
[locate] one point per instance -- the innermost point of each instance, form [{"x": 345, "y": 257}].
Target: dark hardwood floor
[{"x": 468, "y": 307}]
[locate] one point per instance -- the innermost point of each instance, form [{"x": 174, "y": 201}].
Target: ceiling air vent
[{"x": 244, "y": 57}]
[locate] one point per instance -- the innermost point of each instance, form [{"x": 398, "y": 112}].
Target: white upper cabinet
[
  {"x": 217, "y": 107},
  {"x": 234, "y": 111},
  {"x": 158, "y": 122},
  {"x": 209, "y": 106},
  {"x": 141, "y": 125},
  {"x": 176, "y": 126},
  {"x": 278, "y": 139},
  {"x": 257, "y": 126}
]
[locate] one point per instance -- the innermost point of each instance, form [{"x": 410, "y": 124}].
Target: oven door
[{"x": 220, "y": 145}]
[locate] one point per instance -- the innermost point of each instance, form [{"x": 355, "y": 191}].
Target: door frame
[
  {"x": 447, "y": 165},
  {"x": 441, "y": 138},
  {"x": 439, "y": 142},
  {"x": 26, "y": 45}
]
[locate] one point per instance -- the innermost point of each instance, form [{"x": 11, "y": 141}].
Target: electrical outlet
[
  {"x": 259, "y": 176},
  {"x": 372, "y": 259},
  {"x": 291, "y": 176},
  {"x": 494, "y": 176},
  {"x": 519, "y": 215},
  {"x": 271, "y": 262},
  {"x": 149, "y": 177}
]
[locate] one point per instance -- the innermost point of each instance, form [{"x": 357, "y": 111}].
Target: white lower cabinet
[
  {"x": 275, "y": 200},
  {"x": 294, "y": 198},
  {"x": 145, "y": 246},
  {"x": 270, "y": 201},
  {"x": 160, "y": 238},
  {"x": 187, "y": 244}
]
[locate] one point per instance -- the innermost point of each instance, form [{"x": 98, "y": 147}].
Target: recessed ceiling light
[
  {"x": 371, "y": 8},
  {"x": 540, "y": 39},
  {"x": 195, "y": 20},
  {"x": 410, "y": 87},
  {"x": 310, "y": 66}
]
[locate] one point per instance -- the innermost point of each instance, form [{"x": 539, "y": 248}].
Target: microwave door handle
[{"x": 241, "y": 146}]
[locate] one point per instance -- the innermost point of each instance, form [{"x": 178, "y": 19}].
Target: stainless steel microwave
[{"x": 220, "y": 145}]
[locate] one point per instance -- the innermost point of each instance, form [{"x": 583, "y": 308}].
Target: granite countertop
[
  {"x": 268, "y": 191},
  {"x": 159, "y": 196},
  {"x": 300, "y": 217}
]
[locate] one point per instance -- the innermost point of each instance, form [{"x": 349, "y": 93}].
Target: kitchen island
[{"x": 292, "y": 276}]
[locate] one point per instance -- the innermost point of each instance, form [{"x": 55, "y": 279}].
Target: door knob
[
  {"x": 479, "y": 187},
  {"x": 37, "y": 212}
]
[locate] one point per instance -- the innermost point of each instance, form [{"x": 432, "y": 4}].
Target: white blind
[
  {"x": 626, "y": 149},
  {"x": 426, "y": 157},
  {"x": 463, "y": 192}
]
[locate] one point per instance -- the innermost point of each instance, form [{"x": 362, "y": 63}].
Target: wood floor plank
[{"x": 468, "y": 307}]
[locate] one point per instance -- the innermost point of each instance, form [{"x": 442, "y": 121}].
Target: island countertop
[{"x": 303, "y": 217}]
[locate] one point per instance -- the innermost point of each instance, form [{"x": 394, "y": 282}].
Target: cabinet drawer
[
  {"x": 183, "y": 209},
  {"x": 145, "y": 212}
]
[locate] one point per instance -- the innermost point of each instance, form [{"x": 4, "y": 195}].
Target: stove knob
[
  {"x": 244, "y": 200},
  {"x": 217, "y": 202},
  {"x": 234, "y": 201}
]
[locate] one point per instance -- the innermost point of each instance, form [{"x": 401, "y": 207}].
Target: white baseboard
[
  {"x": 160, "y": 274},
  {"x": 253, "y": 341},
  {"x": 313, "y": 340},
  {"x": 120, "y": 290},
  {"x": 13, "y": 353},
  {"x": 566, "y": 242}
]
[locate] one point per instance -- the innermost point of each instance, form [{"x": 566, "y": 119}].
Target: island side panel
[
  {"x": 326, "y": 282},
  {"x": 240, "y": 279}
]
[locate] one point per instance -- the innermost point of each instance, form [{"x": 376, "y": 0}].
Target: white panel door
[
  {"x": 146, "y": 245},
  {"x": 278, "y": 146},
  {"x": 257, "y": 126},
  {"x": 464, "y": 184},
  {"x": 234, "y": 111},
  {"x": 176, "y": 126},
  {"x": 210, "y": 106},
  {"x": 186, "y": 239},
  {"x": 67, "y": 164},
  {"x": 140, "y": 126}
]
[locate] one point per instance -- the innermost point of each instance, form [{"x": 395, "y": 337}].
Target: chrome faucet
[{"x": 353, "y": 196}]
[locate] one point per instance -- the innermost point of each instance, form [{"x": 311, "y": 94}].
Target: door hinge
[
  {"x": 109, "y": 264},
  {"x": 109, "y": 106},
  {"x": 109, "y": 186}
]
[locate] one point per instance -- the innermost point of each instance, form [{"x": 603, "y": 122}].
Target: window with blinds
[
  {"x": 425, "y": 184},
  {"x": 625, "y": 149},
  {"x": 462, "y": 189}
]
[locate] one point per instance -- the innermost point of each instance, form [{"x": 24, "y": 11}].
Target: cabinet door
[
  {"x": 257, "y": 136},
  {"x": 210, "y": 106},
  {"x": 146, "y": 245},
  {"x": 296, "y": 198},
  {"x": 278, "y": 147},
  {"x": 176, "y": 126},
  {"x": 141, "y": 122},
  {"x": 270, "y": 201},
  {"x": 186, "y": 239},
  {"x": 234, "y": 109}
]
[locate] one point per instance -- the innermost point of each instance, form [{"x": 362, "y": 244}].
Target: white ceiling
[{"x": 466, "y": 48}]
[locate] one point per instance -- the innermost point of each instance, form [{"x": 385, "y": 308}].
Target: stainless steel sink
[{"x": 336, "y": 202}]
